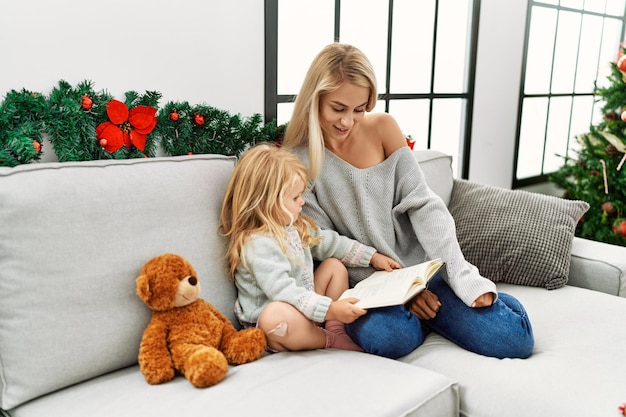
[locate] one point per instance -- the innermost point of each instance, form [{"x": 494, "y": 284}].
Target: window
[
  {"x": 423, "y": 53},
  {"x": 569, "y": 45}
]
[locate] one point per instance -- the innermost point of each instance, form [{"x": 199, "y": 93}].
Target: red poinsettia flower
[{"x": 126, "y": 128}]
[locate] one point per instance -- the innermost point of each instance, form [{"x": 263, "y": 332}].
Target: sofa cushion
[
  {"x": 437, "y": 168},
  {"x": 292, "y": 384},
  {"x": 73, "y": 238},
  {"x": 515, "y": 236},
  {"x": 576, "y": 369}
]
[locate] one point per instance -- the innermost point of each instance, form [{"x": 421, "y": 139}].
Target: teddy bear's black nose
[{"x": 193, "y": 280}]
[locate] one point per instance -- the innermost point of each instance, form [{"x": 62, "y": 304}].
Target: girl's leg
[
  {"x": 288, "y": 329},
  {"x": 331, "y": 278},
  {"x": 502, "y": 330},
  {"x": 391, "y": 332}
]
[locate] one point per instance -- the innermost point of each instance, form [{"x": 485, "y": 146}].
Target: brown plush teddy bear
[{"x": 186, "y": 333}]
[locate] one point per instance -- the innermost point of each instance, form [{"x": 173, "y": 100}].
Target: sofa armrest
[{"x": 598, "y": 266}]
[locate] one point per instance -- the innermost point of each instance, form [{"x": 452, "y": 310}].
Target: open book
[{"x": 384, "y": 288}]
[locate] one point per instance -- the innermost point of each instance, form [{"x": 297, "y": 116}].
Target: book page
[
  {"x": 384, "y": 288},
  {"x": 398, "y": 277}
]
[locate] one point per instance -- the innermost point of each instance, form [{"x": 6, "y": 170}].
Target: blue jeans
[{"x": 501, "y": 331}]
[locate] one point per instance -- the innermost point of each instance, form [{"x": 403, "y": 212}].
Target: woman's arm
[{"x": 436, "y": 232}]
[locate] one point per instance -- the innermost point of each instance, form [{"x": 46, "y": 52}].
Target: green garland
[
  {"x": 21, "y": 126},
  {"x": 70, "y": 116},
  {"x": 185, "y": 129}
]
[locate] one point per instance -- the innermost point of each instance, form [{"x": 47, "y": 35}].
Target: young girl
[{"x": 271, "y": 251}]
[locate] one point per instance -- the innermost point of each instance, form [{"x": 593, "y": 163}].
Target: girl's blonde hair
[
  {"x": 254, "y": 200},
  {"x": 335, "y": 64}
]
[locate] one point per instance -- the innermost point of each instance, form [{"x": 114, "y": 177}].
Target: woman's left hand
[
  {"x": 383, "y": 263},
  {"x": 484, "y": 300}
]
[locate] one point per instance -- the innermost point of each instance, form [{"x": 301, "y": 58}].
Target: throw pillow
[{"x": 515, "y": 236}]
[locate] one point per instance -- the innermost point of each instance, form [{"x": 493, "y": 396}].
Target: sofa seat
[
  {"x": 576, "y": 369},
  {"x": 315, "y": 383}
]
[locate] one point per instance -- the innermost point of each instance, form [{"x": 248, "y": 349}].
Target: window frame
[
  {"x": 544, "y": 176},
  {"x": 272, "y": 98}
]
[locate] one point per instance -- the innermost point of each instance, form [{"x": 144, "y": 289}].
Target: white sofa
[{"x": 73, "y": 237}]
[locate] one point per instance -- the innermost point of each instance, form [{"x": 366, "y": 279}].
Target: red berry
[
  {"x": 37, "y": 146},
  {"x": 198, "y": 119},
  {"x": 621, "y": 63},
  {"x": 86, "y": 102},
  {"x": 174, "y": 116}
]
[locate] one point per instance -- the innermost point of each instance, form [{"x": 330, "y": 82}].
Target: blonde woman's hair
[
  {"x": 335, "y": 64},
  {"x": 254, "y": 200}
]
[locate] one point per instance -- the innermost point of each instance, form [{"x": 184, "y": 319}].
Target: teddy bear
[{"x": 186, "y": 333}]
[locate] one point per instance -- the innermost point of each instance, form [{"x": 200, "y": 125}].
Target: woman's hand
[
  {"x": 484, "y": 300},
  {"x": 425, "y": 305},
  {"x": 383, "y": 263},
  {"x": 344, "y": 310}
]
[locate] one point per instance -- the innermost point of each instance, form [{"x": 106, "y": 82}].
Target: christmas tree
[{"x": 596, "y": 173}]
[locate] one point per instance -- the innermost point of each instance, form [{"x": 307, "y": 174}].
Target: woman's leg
[
  {"x": 502, "y": 330},
  {"x": 391, "y": 332}
]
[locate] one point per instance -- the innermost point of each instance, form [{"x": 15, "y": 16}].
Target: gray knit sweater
[
  {"x": 273, "y": 275},
  {"x": 390, "y": 207}
]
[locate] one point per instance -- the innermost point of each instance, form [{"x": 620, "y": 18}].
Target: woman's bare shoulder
[
  {"x": 385, "y": 128},
  {"x": 381, "y": 118}
]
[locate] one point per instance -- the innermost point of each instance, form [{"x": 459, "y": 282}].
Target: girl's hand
[
  {"x": 383, "y": 263},
  {"x": 344, "y": 310},
  {"x": 484, "y": 300}
]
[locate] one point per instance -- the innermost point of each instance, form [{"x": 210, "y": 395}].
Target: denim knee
[
  {"x": 391, "y": 332},
  {"x": 523, "y": 339}
]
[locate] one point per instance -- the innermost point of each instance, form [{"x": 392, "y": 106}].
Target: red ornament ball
[
  {"x": 620, "y": 228},
  {"x": 86, "y": 102},
  {"x": 623, "y": 116},
  {"x": 37, "y": 146},
  {"x": 174, "y": 116},
  {"x": 621, "y": 63},
  {"x": 198, "y": 119}
]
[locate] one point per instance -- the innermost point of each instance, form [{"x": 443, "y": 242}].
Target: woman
[{"x": 369, "y": 187}]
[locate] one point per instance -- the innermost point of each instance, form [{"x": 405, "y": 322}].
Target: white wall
[
  {"x": 498, "y": 75},
  {"x": 212, "y": 51},
  {"x": 200, "y": 51}
]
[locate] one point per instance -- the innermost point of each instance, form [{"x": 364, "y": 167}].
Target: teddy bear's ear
[{"x": 143, "y": 287}]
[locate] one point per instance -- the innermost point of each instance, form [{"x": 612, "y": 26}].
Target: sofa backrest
[
  {"x": 73, "y": 237},
  {"x": 437, "y": 168}
]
